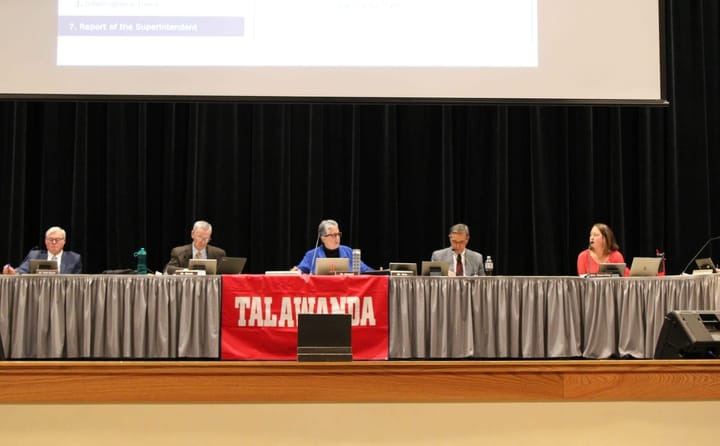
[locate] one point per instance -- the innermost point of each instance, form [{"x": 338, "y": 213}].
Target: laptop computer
[
  {"x": 43, "y": 266},
  {"x": 614, "y": 269},
  {"x": 207, "y": 265},
  {"x": 705, "y": 264},
  {"x": 231, "y": 265},
  {"x": 402, "y": 269},
  {"x": 434, "y": 268},
  {"x": 326, "y": 266},
  {"x": 645, "y": 266}
]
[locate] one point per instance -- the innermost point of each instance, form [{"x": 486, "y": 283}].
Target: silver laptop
[
  {"x": 645, "y": 266},
  {"x": 231, "y": 265},
  {"x": 207, "y": 265},
  {"x": 335, "y": 265},
  {"x": 705, "y": 264}
]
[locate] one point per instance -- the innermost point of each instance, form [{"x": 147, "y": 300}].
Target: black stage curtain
[{"x": 529, "y": 180}]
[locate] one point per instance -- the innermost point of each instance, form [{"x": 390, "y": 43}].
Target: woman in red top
[{"x": 603, "y": 249}]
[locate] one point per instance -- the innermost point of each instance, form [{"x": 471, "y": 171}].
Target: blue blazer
[
  {"x": 307, "y": 266},
  {"x": 71, "y": 261}
]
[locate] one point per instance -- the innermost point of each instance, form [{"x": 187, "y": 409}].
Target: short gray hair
[
  {"x": 459, "y": 228},
  {"x": 325, "y": 225},
  {"x": 55, "y": 229},
  {"x": 202, "y": 224}
]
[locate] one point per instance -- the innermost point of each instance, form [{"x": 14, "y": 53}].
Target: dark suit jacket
[
  {"x": 71, "y": 261},
  {"x": 181, "y": 255}
]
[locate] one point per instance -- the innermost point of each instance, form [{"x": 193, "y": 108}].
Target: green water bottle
[{"x": 141, "y": 261}]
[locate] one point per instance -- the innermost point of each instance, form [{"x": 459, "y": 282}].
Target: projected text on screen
[{"x": 298, "y": 33}]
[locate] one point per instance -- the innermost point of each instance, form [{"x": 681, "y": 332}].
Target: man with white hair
[
  {"x": 69, "y": 262},
  {"x": 199, "y": 248}
]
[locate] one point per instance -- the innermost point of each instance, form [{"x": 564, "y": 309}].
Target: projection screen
[{"x": 360, "y": 50}]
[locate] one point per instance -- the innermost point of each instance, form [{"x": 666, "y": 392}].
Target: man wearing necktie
[
  {"x": 199, "y": 248},
  {"x": 462, "y": 261},
  {"x": 69, "y": 262}
]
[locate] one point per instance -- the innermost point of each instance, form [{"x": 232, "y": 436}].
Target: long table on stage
[
  {"x": 109, "y": 316},
  {"x": 167, "y": 317},
  {"x": 538, "y": 317}
]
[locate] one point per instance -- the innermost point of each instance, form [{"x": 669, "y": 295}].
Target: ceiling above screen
[{"x": 374, "y": 50}]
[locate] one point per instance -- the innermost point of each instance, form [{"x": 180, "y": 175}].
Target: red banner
[{"x": 259, "y": 313}]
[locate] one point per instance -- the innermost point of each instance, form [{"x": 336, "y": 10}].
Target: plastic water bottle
[
  {"x": 489, "y": 266},
  {"x": 141, "y": 261},
  {"x": 356, "y": 261}
]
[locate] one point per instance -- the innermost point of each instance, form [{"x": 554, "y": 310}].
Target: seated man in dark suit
[
  {"x": 68, "y": 262},
  {"x": 463, "y": 261},
  {"x": 198, "y": 249}
]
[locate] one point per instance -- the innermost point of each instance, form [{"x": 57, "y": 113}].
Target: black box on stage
[
  {"x": 324, "y": 337},
  {"x": 689, "y": 334}
]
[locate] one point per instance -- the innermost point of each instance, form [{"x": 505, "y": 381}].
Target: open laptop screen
[{"x": 231, "y": 265}]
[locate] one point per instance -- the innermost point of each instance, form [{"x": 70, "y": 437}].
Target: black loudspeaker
[
  {"x": 324, "y": 337},
  {"x": 689, "y": 334}
]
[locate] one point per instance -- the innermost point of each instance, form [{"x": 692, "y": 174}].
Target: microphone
[
  {"x": 699, "y": 251},
  {"x": 312, "y": 263},
  {"x": 587, "y": 260}
]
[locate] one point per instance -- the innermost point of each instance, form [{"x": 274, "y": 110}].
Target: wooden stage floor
[{"x": 359, "y": 381}]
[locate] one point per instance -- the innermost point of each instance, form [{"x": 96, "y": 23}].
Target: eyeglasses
[
  {"x": 337, "y": 234},
  {"x": 202, "y": 239},
  {"x": 54, "y": 240}
]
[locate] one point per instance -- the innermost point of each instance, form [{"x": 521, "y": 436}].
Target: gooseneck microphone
[
  {"x": 587, "y": 260},
  {"x": 312, "y": 263},
  {"x": 322, "y": 231},
  {"x": 698, "y": 253}
]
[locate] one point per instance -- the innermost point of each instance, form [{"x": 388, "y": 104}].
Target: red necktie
[{"x": 459, "y": 267}]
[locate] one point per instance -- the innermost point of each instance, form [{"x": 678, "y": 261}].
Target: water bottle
[
  {"x": 489, "y": 266},
  {"x": 141, "y": 261},
  {"x": 356, "y": 261}
]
